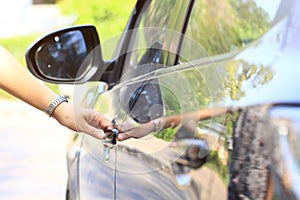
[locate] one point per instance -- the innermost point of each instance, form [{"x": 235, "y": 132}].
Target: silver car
[{"x": 206, "y": 89}]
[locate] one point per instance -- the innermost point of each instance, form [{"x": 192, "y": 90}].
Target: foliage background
[{"x": 109, "y": 17}]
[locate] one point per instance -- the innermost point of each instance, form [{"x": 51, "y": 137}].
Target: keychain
[{"x": 111, "y": 140}]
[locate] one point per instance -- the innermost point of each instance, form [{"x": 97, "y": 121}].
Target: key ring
[{"x": 113, "y": 136}]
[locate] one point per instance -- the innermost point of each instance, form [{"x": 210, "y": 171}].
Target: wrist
[
  {"x": 54, "y": 104},
  {"x": 158, "y": 124},
  {"x": 64, "y": 114}
]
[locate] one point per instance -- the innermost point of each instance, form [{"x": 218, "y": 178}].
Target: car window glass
[
  {"x": 223, "y": 26},
  {"x": 153, "y": 30}
]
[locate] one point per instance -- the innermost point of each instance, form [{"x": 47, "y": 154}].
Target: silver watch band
[{"x": 60, "y": 98}]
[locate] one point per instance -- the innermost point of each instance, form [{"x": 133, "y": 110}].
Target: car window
[
  {"x": 153, "y": 33},
  {"x": 219, "y": 27}
]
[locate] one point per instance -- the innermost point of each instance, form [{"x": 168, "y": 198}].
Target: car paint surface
[{"x": 231, "y": 113}]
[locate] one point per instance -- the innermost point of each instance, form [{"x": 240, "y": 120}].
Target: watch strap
[{"x": 50, "y": 109}]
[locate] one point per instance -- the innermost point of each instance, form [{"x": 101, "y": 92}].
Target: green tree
[
  {"x": 109, "y": 17},
  {"x": 222, "y": 26}
]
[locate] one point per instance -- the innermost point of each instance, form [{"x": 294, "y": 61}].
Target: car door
[
  {"x": 181, "y": 62},
  {"x": 181, "y": 85},
  {"x": 127, "y": 104}
]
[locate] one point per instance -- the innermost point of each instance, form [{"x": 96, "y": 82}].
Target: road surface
[{"x": 32, "y": 154}]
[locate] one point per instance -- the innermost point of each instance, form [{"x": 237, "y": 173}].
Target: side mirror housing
[{"x": 70, "y": 55}]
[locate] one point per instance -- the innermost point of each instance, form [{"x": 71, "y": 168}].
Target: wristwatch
[
  {"x": 50, "y": 109},
  {"x": 158, "y": 123}
]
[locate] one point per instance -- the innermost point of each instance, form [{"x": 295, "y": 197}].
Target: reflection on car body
[{"x": 207, "y": 94}]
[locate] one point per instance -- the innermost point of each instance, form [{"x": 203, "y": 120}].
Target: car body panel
[
  {"x": 229, "y": 105},
  {"x": 259, "y": 85}
]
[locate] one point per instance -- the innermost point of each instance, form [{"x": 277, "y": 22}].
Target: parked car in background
[{"x": 208, "y": 90}]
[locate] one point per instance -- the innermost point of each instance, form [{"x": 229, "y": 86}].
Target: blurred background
[{"x": 32, "y": 146}]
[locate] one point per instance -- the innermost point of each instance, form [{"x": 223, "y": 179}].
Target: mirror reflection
[
  {"x": 285, "y": 155},
  {"x": 62, "y": 56},
  {"x": 143, "y": 101}
]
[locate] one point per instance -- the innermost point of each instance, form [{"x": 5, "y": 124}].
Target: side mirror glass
[{"x": 68, "y": 55}]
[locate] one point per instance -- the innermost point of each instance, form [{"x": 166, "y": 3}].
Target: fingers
[
  {"x": 100, "y": 121},
  {"x": 96, "y": 123},
  {"x": 123, "y": 136},
  {"x": 106, "y": 123},
  {"x": 91, "y": 122},
  {"x": 97, "y": 133},
  {"x": 135, "y": 132}
]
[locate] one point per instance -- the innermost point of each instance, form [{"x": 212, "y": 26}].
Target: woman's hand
[
  {"x": 135, "y": 132},
  {"x": 84, "y": 120},
  {"x": 143, "y": 130}
]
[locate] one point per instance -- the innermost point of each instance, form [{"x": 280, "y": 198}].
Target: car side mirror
[
  {"x": 143, "y": 101},
  {"x": 66, "y": 56}
]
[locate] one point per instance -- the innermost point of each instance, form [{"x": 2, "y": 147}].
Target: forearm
[{"x": 16, "y": 80}]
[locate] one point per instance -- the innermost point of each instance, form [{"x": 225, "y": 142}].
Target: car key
[
  {"x": 114, "y": 133},
  {"x": 110, "y": 141},
  {"x": 113, "y": 136}
]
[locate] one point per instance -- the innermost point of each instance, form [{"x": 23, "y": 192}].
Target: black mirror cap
[{"x": 88, "y": 66}]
